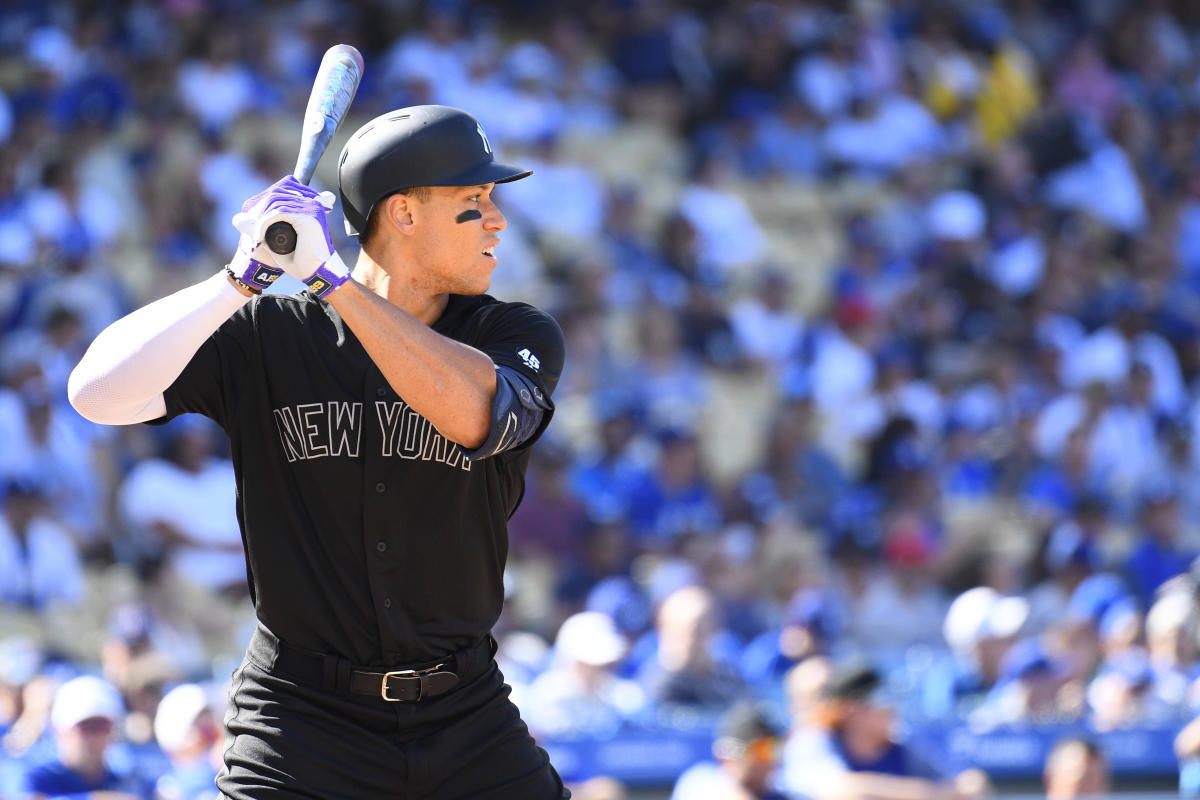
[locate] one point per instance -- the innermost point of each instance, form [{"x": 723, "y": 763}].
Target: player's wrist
[
  {"x": 237, "y": 283},
  {"x": 249, "y": 270},
  {"x": 328, "y": 277}
]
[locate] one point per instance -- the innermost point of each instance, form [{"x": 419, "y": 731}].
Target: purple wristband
[
  {"x": 260, "y": 275},
  {"x": 323, "y": 281}
]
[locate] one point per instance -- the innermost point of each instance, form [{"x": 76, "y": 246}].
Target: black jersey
[{"x": 368, "y": 534}]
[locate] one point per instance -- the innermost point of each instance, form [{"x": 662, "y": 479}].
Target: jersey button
[
  {"x": 387, "y": 602},
  {"x": 381, "y": 546},
  {"x": 381, "y": 488},
  {"x": 381, "y": 391}
]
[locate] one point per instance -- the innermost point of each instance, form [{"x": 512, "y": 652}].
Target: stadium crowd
[{"x": 882, "y": 394}]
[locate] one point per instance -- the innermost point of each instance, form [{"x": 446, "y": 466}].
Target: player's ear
[{"x": 398, "y": 209}]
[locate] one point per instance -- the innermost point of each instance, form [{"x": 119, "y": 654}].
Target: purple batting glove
[{"x": 314, "y": 261}]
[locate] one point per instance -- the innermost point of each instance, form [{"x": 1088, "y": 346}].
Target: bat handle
[{"x": 281, "y": 238}]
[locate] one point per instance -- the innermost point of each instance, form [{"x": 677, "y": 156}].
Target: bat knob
[{"x": 281, "y": 238}]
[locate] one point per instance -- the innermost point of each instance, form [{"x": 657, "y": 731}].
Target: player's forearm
[
  {"x": 121, "y": 378},
  {"x": 449, "y": 383}
]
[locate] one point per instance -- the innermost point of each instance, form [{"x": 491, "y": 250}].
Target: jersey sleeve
[
  {"x": 208, "y": 384},
  {"x": 526, "y": 345}
]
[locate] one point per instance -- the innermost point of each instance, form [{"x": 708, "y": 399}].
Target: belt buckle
[{"x": 406, "y": 673}]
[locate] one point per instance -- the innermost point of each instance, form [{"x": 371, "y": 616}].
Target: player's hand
[
  {"x": 253, "y": 263},
  {"x": 314, "y": 261}
]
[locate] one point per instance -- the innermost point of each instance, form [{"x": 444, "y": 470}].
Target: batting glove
[
  {"x": 253, "y": 263},
  {"x": 314, "y": 261}
]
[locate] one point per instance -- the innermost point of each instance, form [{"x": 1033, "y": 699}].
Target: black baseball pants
[{"x": 287, "y": 739}]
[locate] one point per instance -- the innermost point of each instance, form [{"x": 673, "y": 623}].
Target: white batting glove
[
  {"x": 253, "y": 263},
  {"x": 314, "y": 261}
]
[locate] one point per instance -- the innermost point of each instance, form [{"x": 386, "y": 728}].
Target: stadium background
[{"x": 867, "y": 304}]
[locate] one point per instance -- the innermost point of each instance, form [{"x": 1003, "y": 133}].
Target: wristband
[
  {"x": 260, "y": 275},
  {"x": 328, "y": 276},
  {"x": 241, "y": 284}
]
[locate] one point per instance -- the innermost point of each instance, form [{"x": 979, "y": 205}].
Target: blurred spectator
[
  {"x": 218, "y": 86},
  {"x": 39, "y": 563},
  {"x": 684, "y": 670},
  {"x": 1073, "y": 646},
  {"x": 605, "y": 478},
  {"x": 797, "y": 479},
  {"x": 1028, "y": 690},
  {"x": 85, "y": 718},
  {"x": 730, "y": 236},
  {"x": 850, "y": 752},
  {"x": 766, "y": 324},
  {"x": 980, "y": 627},
  {"x": 804, "y": 687},
  {"x": 843, "y": 366},
  {"x": 677, "y": 499},
  {"x": 812, "y": 622},
  {"x": 881, "y": 135},
  {"x": 1172, "y": 651},
  {"x": 25, "y": 699},
  {"x": 1187, "y": 750},
  {"x": 746, "y": 755},
  {"x": 903, "y": 590},
  {"x": 1076, "y": 769},
  {"x": 1070, "y": 553},
  {"x": 551, "y": 518},
  {"x": 182, "y": 505},
  {"x": 579, "y": 693},
  {"x": 1122, "y": 696},
  {"x": 186, "y": 728},
  {"x": 141, "y": 639},
  {"x": 1158, "y": 554}
]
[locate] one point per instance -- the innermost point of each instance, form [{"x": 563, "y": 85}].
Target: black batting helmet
[{"x": 414, "y": 146}]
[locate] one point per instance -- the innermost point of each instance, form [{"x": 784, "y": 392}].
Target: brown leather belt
[{"x": 406, "y": 685}]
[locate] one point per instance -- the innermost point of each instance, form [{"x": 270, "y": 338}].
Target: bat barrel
[{"x": 337, "y": 80}]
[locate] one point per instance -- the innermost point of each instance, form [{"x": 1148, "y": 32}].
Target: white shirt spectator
[
  {"x": 898, "y": 131},
  {"x": 56, "y": 456},
  {"x": 201, "y": 505},
  {"x": 888, "y": 620},
  {"x": 46, "y": 570},
  {"x": 1170, "y": 393},
  {"x": 842, "y": 371},
  {"x": 559, "y": 702},
  {"x": 1016, "y": 268},
  {"x": 729, "y": 235},
  {"x": 767, "y": 334},
  {"x": 1104, "y": 186},
  {"x": 825, "y": 84},
  {"x": 1102, "y": 356},
  {"x": 443, "y": 64},
  {"x": 1056, "y": 422},
  {"x": 918, "y": 400},
  {"x": 217, "y": 93}
]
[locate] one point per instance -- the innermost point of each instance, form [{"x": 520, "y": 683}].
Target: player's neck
[{"x": 401, "y": 288}]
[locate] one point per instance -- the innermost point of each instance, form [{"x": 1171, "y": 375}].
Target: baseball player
[{"x": 380, "y": 422}]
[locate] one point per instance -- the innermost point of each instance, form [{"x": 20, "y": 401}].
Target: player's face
[{"x": 460, "y": 229}]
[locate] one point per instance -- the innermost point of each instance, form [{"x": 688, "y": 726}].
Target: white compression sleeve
[{"x": 121, "y": 378}]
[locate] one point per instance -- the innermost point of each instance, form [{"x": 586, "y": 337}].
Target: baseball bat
[{"x": 333, "y": 89}]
